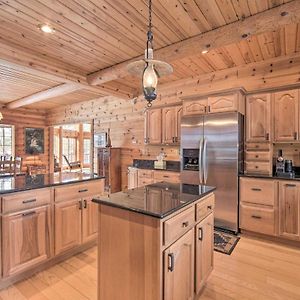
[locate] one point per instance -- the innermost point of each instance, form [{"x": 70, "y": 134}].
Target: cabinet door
[
  {"x": 153, "y": 126},
  {"x": 258, "y": 118},
  {"x": 194, "y": 107},
  {"x": 286, "y": 116},
  {"x": 178, "y": 112},
  {"x": 169, "y": 125},
  {"x": 223, "y": 103},
  {"x": 179, "y": 269},
  {"x": 89, "y": 220},
  {"x": 204, "y": 251},
  {"x": 26, "y": 239},
  {"x": 67, "y": 225},
  {"x": 289, "y": 210},
  {"x": 132, "y": 178}
]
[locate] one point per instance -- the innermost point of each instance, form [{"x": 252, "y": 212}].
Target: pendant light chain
[{"x": 149, "y": 33}]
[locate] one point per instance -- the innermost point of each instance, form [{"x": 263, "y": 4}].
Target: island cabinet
[
  {"x": 147, "y": 257},
  {"x": 26, "y": 230},
  {"x": 75, "y": 215}
]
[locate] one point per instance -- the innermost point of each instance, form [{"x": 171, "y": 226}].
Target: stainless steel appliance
[{"x": 212, "y": 154}]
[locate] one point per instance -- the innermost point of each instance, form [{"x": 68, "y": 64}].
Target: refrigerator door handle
[
  {"x": 205, "y": 161},
  {"x": 200, "y": 161}
]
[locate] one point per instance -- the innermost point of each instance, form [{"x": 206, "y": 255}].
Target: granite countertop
[
  {"x": 147, "y": 164},
  {"x": 10, "y": 184},
  {"x": 157, "y": 200},
  {"x": 296, "y": 177}
]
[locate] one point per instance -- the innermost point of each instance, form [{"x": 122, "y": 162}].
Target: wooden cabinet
[
  {"x": 286, "y": 116},
  {"x": 227, "y": 102},
  {"x": 258, "y": 118},
  {"x": 204, "y": 251},
  {"x": 26, "y": 239},
  {"x": 223, "y": 103},
  {"x": 195, "y": 107},
  {"x": 289, "y": 210},
  {"x": 179, "y": 269},
  {"x": 153, "y": 126},
  {"x": 67, "y": 225},
  {"x": 89, "y": 220},
  {"x": 171, "y": 121},
  {"x": 132, "y": 178}
]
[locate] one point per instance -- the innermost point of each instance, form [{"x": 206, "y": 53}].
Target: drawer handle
[
  {"x": 267, "y": 136},
  {"x": 256, "y": 217},
  {"x": 29, "y": 213},
  {"x": 256, "y": 189},
  {"x": 29, "y": 201},
  {"x": 200, "y": 234},
  {"x": 209, "y": 207},
  {"x": 84, "y": 204},
  {"x": 166, "y": 176},
  {"x": 80, "y": 205},
  {"x": 171, "y": 262},
  {"x": 185, "y": 224},
  {"x": 290, "y": 185},
  {"x": 82, "y": 191}
]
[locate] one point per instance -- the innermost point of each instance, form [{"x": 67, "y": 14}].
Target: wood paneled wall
[
  {"x": 125, "y": 118},
  {"x": 22, "y": 118}
]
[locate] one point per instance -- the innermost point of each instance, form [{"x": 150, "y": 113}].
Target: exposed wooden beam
[
  {"x": 55, "y": 70},
  {"x": 266, "y": 21},
  {"x": 56, "y": 91}
]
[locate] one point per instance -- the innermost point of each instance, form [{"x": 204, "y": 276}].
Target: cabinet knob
[
  {"x": 84, "y": 204},
  {"x": 295, "y": 135},
  {"x": 185, "y": 224},
  {"x": 80, "y": 204},
  {"x": 267, "y": 136}
]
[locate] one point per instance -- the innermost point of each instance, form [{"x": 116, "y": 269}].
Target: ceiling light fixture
[
  {"x": 148, "y": 68},
  {"x": 46, "y": 28}
]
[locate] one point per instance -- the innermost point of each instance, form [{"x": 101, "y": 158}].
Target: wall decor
[
  {"x": 34, "y": 140},
  {"x": 100, "y": 139}
]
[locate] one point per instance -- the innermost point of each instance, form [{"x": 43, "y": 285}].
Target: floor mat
[{"x": 225, "y": 242}]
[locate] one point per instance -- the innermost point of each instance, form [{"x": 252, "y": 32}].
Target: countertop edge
[
  {"x": 158, "y": 216},
  {"x": 268, "y": 177}
]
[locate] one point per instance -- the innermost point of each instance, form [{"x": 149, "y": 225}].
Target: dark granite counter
[
  {"x": 296, "y": 177},
  {"x": 173, "y": 166},
  {"x": 10, "y": 184},
  {"x": 157, "y": 200}
]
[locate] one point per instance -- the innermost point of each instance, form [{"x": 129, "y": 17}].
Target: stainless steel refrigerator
[{"x": 212, "y": 154}]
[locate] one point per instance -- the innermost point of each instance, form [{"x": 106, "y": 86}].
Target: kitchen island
[
  {"x": 155, "y": 242},
  {"x": 44, "y": 219}
]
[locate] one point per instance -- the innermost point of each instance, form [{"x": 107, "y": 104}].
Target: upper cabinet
[
  {"x": 228, "y": 102},
  {"x": 162, "y": 126},
  {"x": 153, "y": 126},
  {"x": 195, "y": 107},
  {"x": 286, "y": 116},
  {"x": 171, "y": 119},
  {"x": 258, "y": 118}
]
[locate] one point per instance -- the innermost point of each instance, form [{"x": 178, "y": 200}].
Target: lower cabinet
[
  {"x": 204, "y": 251},
  {"x": 26, "y": 237},
  {"x": 179, "y": 269},
  {"x": 67, "y": 225},
  {"x": 75, "y": 223},
  {"x": 289, "y": 210}
]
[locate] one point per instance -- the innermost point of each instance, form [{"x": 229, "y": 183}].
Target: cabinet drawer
[
  {"x": 25, "y": 200},
  {"x": 145, "y": 173},
  {"x": 144, "y": 181},
  {"x": 166, "y": 176},
  {"x": 258, "y": 155},
  {"x": 258, "y": 191},
  {"x": 79, "y": 190},
  {"x": 178, "y": 225},
  {"x": 258, "y": 146},
  {"x": 205, "y": 207},
  {"x": 258, "y": 167},
  {"x": 257, "y": 219}
]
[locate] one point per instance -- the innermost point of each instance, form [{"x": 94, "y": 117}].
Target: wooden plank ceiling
[{"x": 96, "y": 34}]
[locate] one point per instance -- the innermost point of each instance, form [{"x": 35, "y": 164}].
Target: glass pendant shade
[{"x": 150, "y": 80}]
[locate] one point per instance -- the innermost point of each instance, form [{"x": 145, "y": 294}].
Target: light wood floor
[{"x": 255, "y": 270}]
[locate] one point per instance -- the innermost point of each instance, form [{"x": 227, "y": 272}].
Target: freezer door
[
  {"x": 192, "y": 138},
  {"x": 221, "y": 154}
]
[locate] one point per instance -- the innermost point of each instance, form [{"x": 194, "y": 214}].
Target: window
[
  {"x": 70, "y": 149},
  {"x": 86, "y": 151},
  {"x": 7, "y": 140}
]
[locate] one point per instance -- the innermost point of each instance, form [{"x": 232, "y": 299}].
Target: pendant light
[{"x": 148, "y": 68}]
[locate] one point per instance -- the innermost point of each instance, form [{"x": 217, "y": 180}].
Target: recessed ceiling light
[
  {"x": 46, "y": 28},
  {"x": 204, "y": 51}
]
